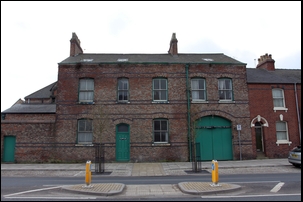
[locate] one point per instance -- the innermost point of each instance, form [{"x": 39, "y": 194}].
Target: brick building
[
  {"x": 141, "y": 107},
  {"x": 275, "y": 108}
]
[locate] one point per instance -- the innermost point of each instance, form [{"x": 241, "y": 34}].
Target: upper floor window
[
  {"x": 281, "y": 132},
  {"x": 85, "y": 131},
  {"x": 160, "y": 130},
  {"x": 198, "y": 91},
  {"x": 86, "y": 90},
  {"x": 278, "y": 98},
  {"x": 123, "y": 90},
  {"x": 225, "y": 90},
  {"x": 160, "y": 89}
]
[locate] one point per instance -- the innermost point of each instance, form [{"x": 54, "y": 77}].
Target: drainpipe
[
  {"x": 188, "y": 111},
  {"x": 297, "y": 106}
]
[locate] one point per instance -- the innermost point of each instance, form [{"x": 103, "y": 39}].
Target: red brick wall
[{"x": 261, "y": 103}]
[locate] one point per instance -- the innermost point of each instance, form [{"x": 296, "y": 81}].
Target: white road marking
[
  {"x": 78, "y": 173},
  {"x": 31, "y": 191},
  {"x": 51, "y": 197},
  {"x": 277, "y": 187},
  {"x": 238, "y": 196}
]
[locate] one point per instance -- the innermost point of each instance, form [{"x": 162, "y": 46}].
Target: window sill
[
  {"x": 120, "y": 102},
  {"x": 86, "y": 103},
  {"x": 280, "y": 108},
  {"x": 160, "y": 102},
  {"x": 283, "y": 142},
  {"x": 226, "y": 101},
  {"x": 199, "y": 101},
  {"x": 161, "y": 144},
  {"x": 84, "y": 145}
]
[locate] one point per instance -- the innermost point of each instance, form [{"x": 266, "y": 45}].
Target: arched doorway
[
  {"x": 214, "y": 134},
  {"x": 259, "y": 137}
]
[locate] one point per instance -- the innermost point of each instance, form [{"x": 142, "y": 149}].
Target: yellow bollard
[
  {"x": 214, "y": 172},
  {"x": 88, "y": 173}
]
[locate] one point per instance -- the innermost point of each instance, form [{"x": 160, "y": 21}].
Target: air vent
[
  {"x": 207, "y": 59},
  {"x": 87, "y": 60}
]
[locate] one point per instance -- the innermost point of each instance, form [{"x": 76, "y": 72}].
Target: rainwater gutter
[
  {"x": 297, "y": 107},
  {"x": 188, "y": 112}
]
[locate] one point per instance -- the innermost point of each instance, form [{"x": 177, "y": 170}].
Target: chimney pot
[{"x": 266, "y": 62}]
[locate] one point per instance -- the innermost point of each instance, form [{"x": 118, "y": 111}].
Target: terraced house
[{"x": 139, "y": 108}]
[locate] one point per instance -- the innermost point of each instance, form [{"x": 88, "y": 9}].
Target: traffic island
[
  {"x": 104, "y": 189},
  {"x": 206, "y": 187}
]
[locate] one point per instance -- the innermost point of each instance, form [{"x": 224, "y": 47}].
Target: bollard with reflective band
[
  {"x": 88, "y": 173},
  {"x": 214, "y": 172}
]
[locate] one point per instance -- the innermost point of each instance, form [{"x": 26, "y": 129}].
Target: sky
[{"x": 35, "y": 36}]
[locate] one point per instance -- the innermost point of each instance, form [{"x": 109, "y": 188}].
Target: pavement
[{"x": 212, "y": 186}]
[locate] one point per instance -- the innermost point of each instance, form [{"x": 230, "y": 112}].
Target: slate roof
[
  {"x": 45, "y": 92},
  {"x": 31, "y": 109},
  {"x": 280, "y": 76},
  {"x": 213, "y": 58}
]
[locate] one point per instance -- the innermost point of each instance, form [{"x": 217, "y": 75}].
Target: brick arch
[
  {"x": 85, "y": 116},
  {"x": 160, "y": 115},
  {"x": 222, "y": 114},
  {"x": 122, "y": 120}
]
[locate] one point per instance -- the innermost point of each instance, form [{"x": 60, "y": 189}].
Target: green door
[
  {"x": 9, "y": 148},
  {"x": 122, "y": 142},
  {"x": 215, "y": 137}
]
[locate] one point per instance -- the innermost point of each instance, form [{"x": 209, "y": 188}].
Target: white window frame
[
  {"x": 282, "y": 131},
  {"x": 278, "y": 98},
  {"x": 197, "y": 90},
  {"x": 85, "y": 129}
]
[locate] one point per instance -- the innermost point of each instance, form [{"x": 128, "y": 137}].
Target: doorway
[
  {"x": 9, "y": 148},
  {"x": 122, "y": 142}
]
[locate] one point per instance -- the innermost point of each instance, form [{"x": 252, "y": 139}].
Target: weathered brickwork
[{"x": 140, "y": 111}]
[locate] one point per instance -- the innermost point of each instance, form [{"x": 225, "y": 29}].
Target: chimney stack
[
  {"x": 173, "y": 46},
  {"x": 75, "y": 47},
  {"x": 266, "y": 62}
]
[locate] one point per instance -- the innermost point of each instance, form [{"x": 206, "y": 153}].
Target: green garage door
[{"x": 214, "y": 134}]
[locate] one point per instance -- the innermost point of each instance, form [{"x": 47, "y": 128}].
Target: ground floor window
[
  {"x": 85, "y": 131},
  {"x": 160, "y": 130}
]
